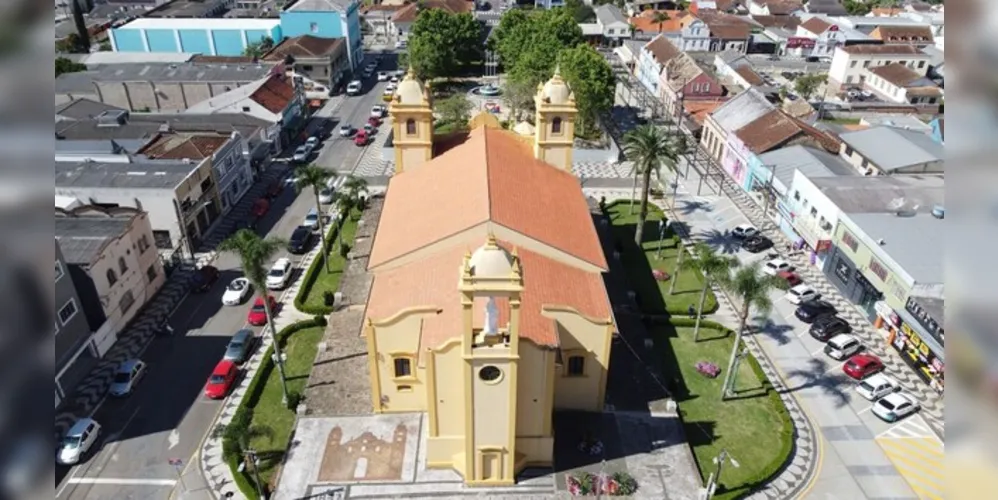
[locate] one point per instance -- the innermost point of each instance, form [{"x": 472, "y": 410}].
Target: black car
[
  {"x": 757, "y": 243},
  {"x": 300, "y": 241},
  {"x": 203, "y": 279},
  {"x": 811, "y": 310},
  {"x": 828, "y": 326}
]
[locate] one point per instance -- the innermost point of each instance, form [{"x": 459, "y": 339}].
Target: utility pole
[
  {"x": 768, "y": 191},
  {"x": 661, "y": 236},
  {"x": 250, "y": 460},
  {"x": 708, "y": 492}
]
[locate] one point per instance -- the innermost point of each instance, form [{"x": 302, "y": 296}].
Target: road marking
[
  {"x": 820, "y": 350},
  {"x": 864, "y": 410},
  {"x": 173, "y": 439},
  {"x": 122, "y": 481}
]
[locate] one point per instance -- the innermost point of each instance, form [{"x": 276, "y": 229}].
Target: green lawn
[
  {"x": 754, "y": 427},
  {"x": 270, "y": 412},
  {"x": 330, "y": 279},
  {"x": 639, "y": 271}
]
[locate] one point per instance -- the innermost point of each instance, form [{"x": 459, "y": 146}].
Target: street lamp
[{"x": 661, "y": 235}]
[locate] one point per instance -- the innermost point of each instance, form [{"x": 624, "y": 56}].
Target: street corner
[{"x": 918, "y": 456}]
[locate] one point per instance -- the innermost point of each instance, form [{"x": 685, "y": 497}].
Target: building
[
  {"x": 157, "y": 86},
  {"x": 278, "y": 99},
  {"x": 850, "y": 64},
  {"x": 917, "y": 333},
  {"x": 773, "y": 7},
  {"x": 323, "y": 60},
  {"x": 211, "y": 36},
  {"x": 613, "y": 26},
  {"x": 736, "y": 68},
  {"x": 891, "y": 151},
  {"x": 188, "y": 9},
  {"x": 833, "y": 8},
  {"x": 823, "y": 38},
  {"x": 728, "y": 117},
  {"x": 647, "y": 27},
  {"x": 326, "y": 19},
  {"x": 548, "y": 4},
  {"x": 919, "y": 36},
  {"x": 488, "y": 309},
  {"x": 404, "y": 17},
  {"x": 111, "y": 257},
  {"x": 727, "y": 32},
  {"x": 938, "y": 129},
  {"x": 899, "y": 83},
  {"x": 651, "y": 61},
  {"x": 75, "y": 352},
  {"x": 181, "y": 198},
  {"x": 683, "y": 78}
]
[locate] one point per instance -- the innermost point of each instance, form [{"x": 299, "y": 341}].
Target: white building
[
  {"x": 773, "y": 7},
  {"x": 612, "y": 23},
  {"x": 850, "y": 64},
  {"x": 824, "y": 38},
  {"x": 897, "y": 83}
]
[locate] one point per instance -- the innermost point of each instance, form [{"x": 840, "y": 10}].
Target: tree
[
  {"x": 441, "y": 43},
  {"x": 529, "y": 45},
  {"x": 254, "y": 252},
  {"x": 454, "y": 110},
  {"x": 312, "y": 176},
  {"x": 650, "y": 148},
  {"x": 807, "y": 85},
  {"x": 659, "y": 18},
  {"x": 352, "y": 194},
  {"x": 509, "y": 24},
  {"x": 749, "y": 286},
  {"x": 581, "y": 12},
  {"x": 592, "y": 80},
  {"x": 254, "y": 50},
  {"x": 356, "y": 188},
  {"x": 856, "y": 7},
  {"x": 64, "y": 65},
  {"x": 714, "y": 268},
  {"x": 519, "y": 96},
  {"x": 83, "y": 34}
]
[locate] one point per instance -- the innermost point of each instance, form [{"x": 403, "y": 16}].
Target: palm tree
[
  {"x": 650, "y": 148},
  {"x": 254, "y": 252},
  {"x": 752, "y": 288},
  {"x": 660, "y": 17},
  {"x": 312, "y": 176},
  {"x": 714, "y": 267},
  {"x": 356, "y": 188}
]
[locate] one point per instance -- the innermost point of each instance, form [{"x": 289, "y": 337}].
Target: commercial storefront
[
  {"x": 849, "y": 279},
  {"x": 921, "y": 348}
]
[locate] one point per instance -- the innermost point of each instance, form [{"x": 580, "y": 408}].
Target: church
[{"x": 487, "y": 309}]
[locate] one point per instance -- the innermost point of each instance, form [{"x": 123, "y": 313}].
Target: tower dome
[
  {"x": 491, "y": 261},
  {"x": 556, "y": 91},
  {"x": 410, "y": 89}
]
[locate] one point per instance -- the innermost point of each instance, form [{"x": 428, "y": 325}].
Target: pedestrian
[{"x": 692, "y": 312}]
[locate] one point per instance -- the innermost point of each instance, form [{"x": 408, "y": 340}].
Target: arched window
[
  {"x": 122, "y": 267},
  {"x": 556, "y": 125},
  {"x": 410, "y": 127},
  {"x": 111, "y": 277}
]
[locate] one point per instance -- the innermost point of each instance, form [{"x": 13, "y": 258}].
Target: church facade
[{"x": 487, "y": 309}]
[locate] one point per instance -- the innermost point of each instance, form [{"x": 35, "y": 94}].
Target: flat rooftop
[
  {"x": 911, "y": 241},
  {"x": 147, "y": 126},
  {"x": 83, "y": 237},
  {"x": 161, "y": 73},
  {"x": 137, "y": 175},
  {"x": 183, "y": 9},
  {"x": 883, "y": 193}
]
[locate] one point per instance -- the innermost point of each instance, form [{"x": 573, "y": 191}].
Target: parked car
[
  {"x": 811, "y": 310},
  {"x": 773, "y": 266},
  {"x": 842, "y": 346},
  {"x": 389, "y": 91},
  {"x": 274, "y": 189},
  {"x": 744, "y": 231},
  {"x": 877, "y": 386},
  {"x": 311, "y": 143},
  {"x": 791, "y": 277},
  {"x": 221, "y": 380},
  {"x": 301, "y": 240},
  {"x": 383, "y": 76},
  {"x": 861, "y": 366},
  {"x": 326, "y": 196},
  {"x": 126, "y": 377},
  {"x": 279, "y": 274},
  {"x": 379, "y": 111},
  {"x": 260, "y": 207},
  {"x": 895, "y": 406},
  {"x": 757, "y": 243},
  {"x": 828, "y": 326},
  {"x": 79, "y": 439},
  {"x": 301, "y": 154},
  {"x": 401, "y": 44},
  {"x": 801, "y": 293},
  {"x": 257, "y": 316},
  {"x": 240, "y": 346},
  {"x": 374, "y": 122},
  {"x": 311, "y": 219},
  {"x": 236, "y": 292},
  {"x": 361, "y": 139},
  {"x": 346, "y": 130},
  {"x": 370, "y": 130},
  {"x": 354, "y": 87},
  {"x": 204, "y": 278}
]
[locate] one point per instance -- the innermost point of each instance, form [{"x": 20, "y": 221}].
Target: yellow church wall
[
  {"x": 446, "y": 432},
  {"x": 533, "y": 406},
  {"x": 590, "y": 338},
  {"x": 390, "y": 340},
  {"x": 491, "y": 405}
]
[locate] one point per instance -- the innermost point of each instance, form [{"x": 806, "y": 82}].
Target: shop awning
[{"x": 928, "y": 339}]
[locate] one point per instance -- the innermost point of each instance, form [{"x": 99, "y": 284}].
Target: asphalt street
[{"x": 167, "y": 416}]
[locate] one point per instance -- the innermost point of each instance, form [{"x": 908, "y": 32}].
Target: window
[
  {"x": 921, "y": 64},
  {"x": 58, "y": 270},
  {"x": 903, "y": 63},
  {"x": 556, "y": 125},
  {"x": 866, "y": 163},
  {"x": 67, "y": 312},
  {"x": 878, "y": 269},
  {"x": 814, "y": 212},
  {"x": 111, "y": 277},
  {"x": 246, "y": 109},
  {"x": 849, "y": 79},
  {"x": 122, "y": 266},
  {"x": 313, "y": 27},
  {"x": 126, "y": 302},
  {"x": 403, "y": 367},
  {"x": 609, "y": 31},
  {"x": 853, "y": 64},
  {"x": 866, "y": 64},
  {"x": 143, "y": 243},
  {"x": 796, "y": 195},
  {"x": 576, "y": 366},
  {"x": 850, "y": 241},
  {"x": 848, "y": 151},
  {"x": 410, "y": 127},
  {"x": 706, "y": 87},
  {"x": 151, "y": 273}
]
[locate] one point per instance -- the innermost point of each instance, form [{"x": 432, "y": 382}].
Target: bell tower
[
  {"x": 411, "y": 110},
  {"x": 490, "y": 281},
  {"x": 554, "y": 133}
]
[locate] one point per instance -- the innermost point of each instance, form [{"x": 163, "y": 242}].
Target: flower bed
[{"x": 589, "y": 484}]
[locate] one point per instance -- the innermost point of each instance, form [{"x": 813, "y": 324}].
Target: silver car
[
  {"x": 240, "y": 346},
  {"x": 127, "y": 376}
]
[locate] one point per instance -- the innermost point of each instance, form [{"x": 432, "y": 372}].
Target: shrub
[
  {"x": 329, "y": 298},
  {"x": 660, "y": 275},
  {"x": 708, "y": 369},
  {"x": 320, "y": 320},
  {"x": 344, "y": 250},
  {"x": 294, "y": 398}
]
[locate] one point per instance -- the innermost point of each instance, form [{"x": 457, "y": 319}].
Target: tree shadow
[
  {"x": 834, "y": 385},
  {"x": 688, "y": 207},
  {"x": 719, "y": 241},
  {"x": 781, "y": 333}
]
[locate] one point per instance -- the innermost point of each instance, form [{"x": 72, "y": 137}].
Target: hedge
[
  {"x": 243, "y": 416},
  {"x": 313, "y": 270}
]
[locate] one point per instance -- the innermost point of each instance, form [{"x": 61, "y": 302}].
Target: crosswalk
[{"x": 918, "y": 456}]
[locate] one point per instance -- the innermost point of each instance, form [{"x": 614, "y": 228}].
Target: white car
[
  {"x": 354, "y": 87},
  {"x": 301, "y": 154},
  {"x": 774, "y": 266},
  {"x": 378, "y": 111},
  {"x": 744, "y": 231},
  {"x": 877, "y": 386},
  {"x": 388, "y": 92},
  {"x": 326, "y": 196},
  {"x": 126, "y": 377},
  {"x": 346, "y": 130},
  {"x": 311, "y": 220},
  {"x": 401, "y": 44},
  {"x": 312, "y": 143},
  {"x": 383, "y": 76},
  {"x": 394, "y": 79},
  {"x": 79, "y": 439},
  {"x": 842, "y": 346},
  {"x": 801, "y": 293},
  {"x": 895, "y": 406},
  {"x": 236, "y": 292},
  {"x": 279, "y": 274}
]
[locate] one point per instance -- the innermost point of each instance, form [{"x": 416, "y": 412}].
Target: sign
[
  {"x": 918, "y": 348},
  {"x": 885, "y": 311},
  {"x": 823, "y": 246},
  {"x": 800, "y": 42}
]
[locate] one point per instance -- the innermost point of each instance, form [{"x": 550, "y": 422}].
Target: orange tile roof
[
  {"x": 492, "y": 176},
  {"x": 750, "y": 75},
  {"x": 698, "y": 110},
  {"x": 643, "y": 22},
  {"x": 275, "y": 94},
  {"x": 662, "y": 49},
  {"x": 182, "y": 146},
  {"x": 816, "y": 25},
  {"x": 886, "y": 11},
  {"x": 433, "y": 281},
  {"x": 901, "y": 34}
]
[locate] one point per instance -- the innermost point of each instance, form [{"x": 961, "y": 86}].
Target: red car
[
  {"x": 260, "y": 207},
  {"x": 791, "y": 277},
  {"x": 861, "y": 366},
  {"x": 361, "y": 138},
  {"x": 374, "y": 121},
  {"x": 257, "y": 314},
  {"x": 222, "y": 378}
]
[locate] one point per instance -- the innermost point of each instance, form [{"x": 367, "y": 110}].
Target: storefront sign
[
  {"x": 842, "y": 270},
  {"x": 800, "y": 42},
  {"x": 885, "y": 311},
  {"x": 915, "y": 345},
  {"x": 927, "y": 322},
  {"x": 823, "y": 246}
]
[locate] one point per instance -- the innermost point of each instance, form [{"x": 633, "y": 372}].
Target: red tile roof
[
  {"x": 304, "y": 46},
  {"x": 183, "y": 146},
  {"x": 816, "y": 25},
  {"x": 275, "y": 94},
  {"x": 662, "y": 49}
]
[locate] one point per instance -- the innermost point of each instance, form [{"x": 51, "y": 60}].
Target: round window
[{"x": 490, "y": 374}]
